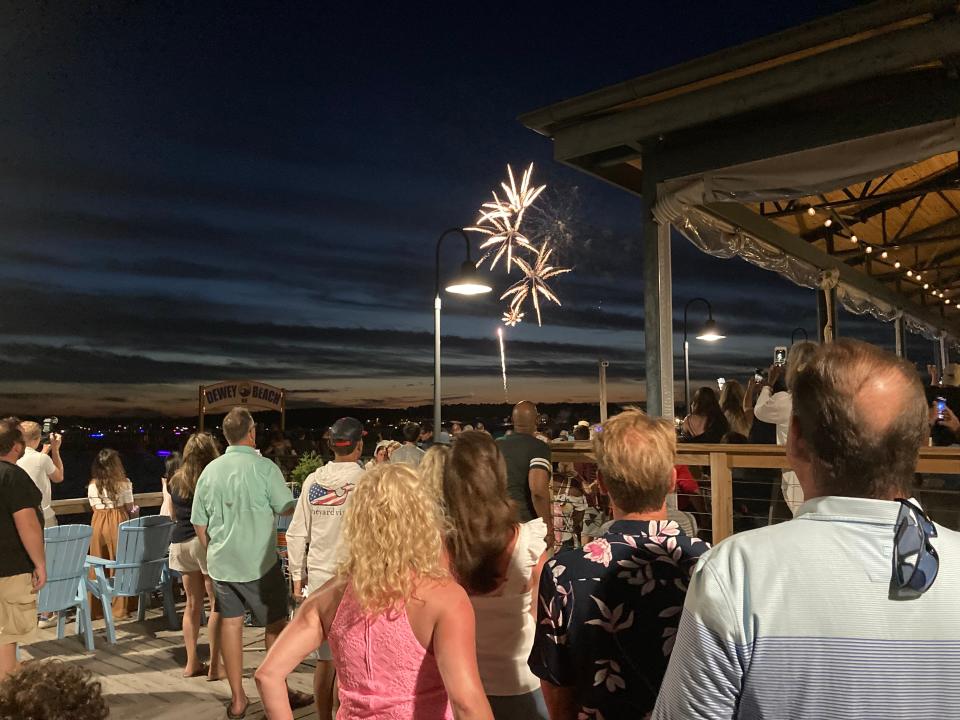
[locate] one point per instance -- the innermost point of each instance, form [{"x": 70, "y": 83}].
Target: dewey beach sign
[{"x": 251, "y": 394}]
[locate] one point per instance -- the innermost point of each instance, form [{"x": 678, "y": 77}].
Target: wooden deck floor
[{"x": 141, "y": 674}]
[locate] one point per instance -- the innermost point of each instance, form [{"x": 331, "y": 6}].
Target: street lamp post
[
  {"x": 709, "y": 333},
  {"x": 467, "y": 282}
]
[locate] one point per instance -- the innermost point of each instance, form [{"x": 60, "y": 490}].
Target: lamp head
[
  {"x": 710, "y": 332},
  {"x": 468, "y": 281}
]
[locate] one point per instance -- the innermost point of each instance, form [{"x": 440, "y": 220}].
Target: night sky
[{"x": 194, "y": 192}]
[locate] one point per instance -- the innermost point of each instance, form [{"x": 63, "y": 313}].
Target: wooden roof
[
  {"x": 906, "y": 223},
  {"x": 882, "y": 67}
]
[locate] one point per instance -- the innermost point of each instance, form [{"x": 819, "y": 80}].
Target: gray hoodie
[{"x": 314, "y": 543}]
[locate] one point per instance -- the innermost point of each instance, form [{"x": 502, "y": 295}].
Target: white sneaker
[{"x": 47, "y": 622}]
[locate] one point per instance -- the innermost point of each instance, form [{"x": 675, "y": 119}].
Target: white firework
[
  {"x": 500, "y": 220},
  {"x": 512, "y": 317},
  {"x": 534, "y": 283}
]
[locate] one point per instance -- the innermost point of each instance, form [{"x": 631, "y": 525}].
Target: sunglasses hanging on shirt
[{"x": 915, "y": 560}]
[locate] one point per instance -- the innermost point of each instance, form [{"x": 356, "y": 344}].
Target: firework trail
[{"x": 503, "y": 363}]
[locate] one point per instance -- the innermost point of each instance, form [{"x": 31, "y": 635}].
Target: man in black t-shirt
[
  {"x": 22, "y": 565},
  {"x": 528, "y": 467}
]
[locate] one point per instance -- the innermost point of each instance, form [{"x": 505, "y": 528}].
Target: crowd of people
[{"x": 449, "y": 581}]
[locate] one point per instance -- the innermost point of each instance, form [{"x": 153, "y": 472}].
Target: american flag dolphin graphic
[{"x": 320, "y": 495}]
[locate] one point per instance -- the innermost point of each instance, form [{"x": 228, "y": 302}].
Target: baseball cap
[
  {"x": 346, "y": 431},
  {"x": 443, "y": 438}
]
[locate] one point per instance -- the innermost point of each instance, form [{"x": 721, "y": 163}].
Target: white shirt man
[
  {"x": 315, "y": 545},
  {"x": 849, "y": 610},
  {"x": 43, "y": 468}
]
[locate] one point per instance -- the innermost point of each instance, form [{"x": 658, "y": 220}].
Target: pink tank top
[{"x": 382, "y": 669}]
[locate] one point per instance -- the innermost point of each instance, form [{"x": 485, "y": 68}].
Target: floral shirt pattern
[{"x": 608, "y": 614}]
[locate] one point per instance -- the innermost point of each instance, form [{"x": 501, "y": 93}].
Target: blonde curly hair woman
[{"x": 401, "y": 631}]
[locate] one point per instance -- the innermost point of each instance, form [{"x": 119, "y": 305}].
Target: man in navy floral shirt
[{"x": 608, "y": 612}]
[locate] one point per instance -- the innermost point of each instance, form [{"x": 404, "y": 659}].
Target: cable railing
[
  {"x": 720, "y": 462},
  {"x": 729, "y": 499}
]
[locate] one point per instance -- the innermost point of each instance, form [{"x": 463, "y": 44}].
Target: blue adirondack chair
[
  {"x": 139, "y": 570},
  {"x": 66, "y": 549}
]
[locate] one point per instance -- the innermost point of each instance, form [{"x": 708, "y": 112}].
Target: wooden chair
[
  {"x": 139, "y": 570},
  {"x": 65, "y": 548}
]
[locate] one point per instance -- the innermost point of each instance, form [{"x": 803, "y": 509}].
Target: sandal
[
  {"x": 299, "y": 699},
  {"x": 202, "y": 670},
  {"x": 242, "y": 714}
]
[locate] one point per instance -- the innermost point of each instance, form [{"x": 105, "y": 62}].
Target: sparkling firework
[
  {"x": 512, "y": 317},
  {"x": 503, "y": 362},
  {"x": 500, "y": 220},
  {"x": 534, "y": 284}
]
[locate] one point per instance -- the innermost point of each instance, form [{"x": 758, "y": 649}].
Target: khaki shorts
[
  {"x": 18, "y": 609},
  {"x": 188, "y": 557}
]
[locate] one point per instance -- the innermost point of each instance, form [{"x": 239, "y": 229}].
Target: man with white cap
[{"x": 314, "y": 543}]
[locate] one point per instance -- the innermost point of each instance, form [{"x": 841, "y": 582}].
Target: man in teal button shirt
[{"x": 235, "y": 505}]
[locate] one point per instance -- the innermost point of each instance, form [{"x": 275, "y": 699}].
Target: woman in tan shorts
[{"x": 189, "y": 557}]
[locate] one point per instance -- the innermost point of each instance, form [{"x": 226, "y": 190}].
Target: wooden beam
[
  {"x": 862, "y": 62},
  {"x": 824, "y": 30},
  {"x": 884, "y": 105},
  {"x": 948, "y": 179},
  {"x": 721, "y": 496}
]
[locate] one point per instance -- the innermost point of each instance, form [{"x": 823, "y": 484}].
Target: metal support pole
[
  {"x": 686, "y": 377},
  {"x": 436, "y": 367},
  {"x": 827, "y": 315},
  {"x": 657, "y": 307},
  {"x": 200, "y": 409},
  {"x": 437, "y": 401},
  {"x": 603, "y": 390},
  {"x": 944, "y": 357},
  {"x": 899, "y": 328}
]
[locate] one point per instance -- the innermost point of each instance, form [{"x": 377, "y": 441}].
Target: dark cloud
[{"x": 190, "y": 194}]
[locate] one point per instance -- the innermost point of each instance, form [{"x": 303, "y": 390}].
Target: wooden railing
[
  {"x": 78, "y": 506},
  {"x": 723, "y": 459}
]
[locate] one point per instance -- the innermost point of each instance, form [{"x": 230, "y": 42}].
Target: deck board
[{"x": 141, "y": 674}]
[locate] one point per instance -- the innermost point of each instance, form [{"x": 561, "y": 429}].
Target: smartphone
[
  {"x": 780, "y": 355},
  {"x": 721, "y": 382},
  {"x": 48, "y": 425},
  {"x": 941, "y": 405},
  {"x": 758, "y": 375}
]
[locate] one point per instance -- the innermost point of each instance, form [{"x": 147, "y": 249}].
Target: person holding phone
[
  {"x": 943, "y": 396},
  {"x": 775, "y": 406}
]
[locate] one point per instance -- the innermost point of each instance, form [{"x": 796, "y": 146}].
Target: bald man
[
  {"x": 849, "y": 609},
  {"x": 528, "y": 467}
]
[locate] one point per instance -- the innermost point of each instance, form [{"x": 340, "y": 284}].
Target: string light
[
  {"x": 811, "y": 211},
  {"x": 926, "y": 286},
  {"x": 909, "y": 273},
  {"x": 853, "y": 239},
  {"x": 884, "y": 254},
  {"x": 828, "y": 222},
  {"x": 947, "y": 301},
  {"x": 897, "y": 264},
  {"x": 869, "y": 249},
  {"x": 919, "y": 277}
]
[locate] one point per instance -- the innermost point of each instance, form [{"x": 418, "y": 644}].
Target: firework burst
[
  {"x": 533, "y": 285},
  {"x": 512, "y": 317},
  {"x": 500, "y": 220}
]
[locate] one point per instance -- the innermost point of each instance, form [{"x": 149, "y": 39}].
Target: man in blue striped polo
[{"x": 851, "y": 609}]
